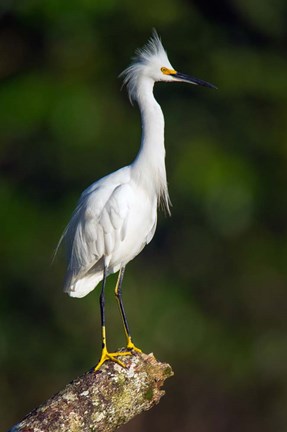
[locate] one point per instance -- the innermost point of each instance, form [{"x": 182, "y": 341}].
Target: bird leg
[
  {"x": 118, "y": 294},
  {"x": 105, "y": 354}
]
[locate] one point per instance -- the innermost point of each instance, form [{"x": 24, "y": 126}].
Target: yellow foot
[
  {"x": 111, "y": 356},
  {"x": 132, "y": 347}
]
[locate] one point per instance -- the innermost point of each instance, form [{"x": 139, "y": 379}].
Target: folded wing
[{"x": 95, "y": 231}]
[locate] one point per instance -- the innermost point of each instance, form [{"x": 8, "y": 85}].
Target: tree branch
[{"x": 101, "y": 401}]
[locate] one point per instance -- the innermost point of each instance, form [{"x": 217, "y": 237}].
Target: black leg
[
  {"x": 102, "y": 309},
  {"x": 105, "y": 354},
  {"x": 118, "y": 294}
]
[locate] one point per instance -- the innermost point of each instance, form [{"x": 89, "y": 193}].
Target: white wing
[{"x": 97, "y": 226}]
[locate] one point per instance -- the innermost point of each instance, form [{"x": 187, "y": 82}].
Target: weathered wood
[{"x": 101, "y": 401}]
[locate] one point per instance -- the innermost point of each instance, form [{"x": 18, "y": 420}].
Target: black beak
[{"x": 192, "y": 80}]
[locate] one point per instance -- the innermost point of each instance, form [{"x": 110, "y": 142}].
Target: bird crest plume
[{"x": 152, "y": 55}]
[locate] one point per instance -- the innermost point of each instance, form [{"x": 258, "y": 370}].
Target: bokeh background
[{"x": 208, "y": 295}]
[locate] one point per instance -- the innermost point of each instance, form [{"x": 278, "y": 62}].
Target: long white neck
[{"x": 149, "y": 165}]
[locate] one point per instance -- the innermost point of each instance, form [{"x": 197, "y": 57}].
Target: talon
[
  {"x": 131, "y": 346},
  {"x": 112, "y": 357}
]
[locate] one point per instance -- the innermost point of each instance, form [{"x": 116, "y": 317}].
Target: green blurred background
[{"x": 208, "y": 295}]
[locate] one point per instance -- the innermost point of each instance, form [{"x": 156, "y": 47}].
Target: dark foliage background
[{"x": 209, "y": 294}]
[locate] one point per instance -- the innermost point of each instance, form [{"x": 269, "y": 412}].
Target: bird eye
[{"x": 164, "y": 70}]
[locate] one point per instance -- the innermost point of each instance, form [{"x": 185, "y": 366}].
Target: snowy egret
[{"x": 117, "y": 215}]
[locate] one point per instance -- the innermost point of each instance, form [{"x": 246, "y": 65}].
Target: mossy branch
[{"x": 101, "y": 401}]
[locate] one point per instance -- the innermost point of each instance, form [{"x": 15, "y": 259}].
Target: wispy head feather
[
  {"x": 147, "y": 61},
  {"x": 153, "y": 48}
]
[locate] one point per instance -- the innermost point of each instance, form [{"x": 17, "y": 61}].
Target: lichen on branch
[{"x": 101, "y": 401}]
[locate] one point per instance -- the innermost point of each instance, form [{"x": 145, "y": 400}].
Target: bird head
[{"x": 151, "y": 63}]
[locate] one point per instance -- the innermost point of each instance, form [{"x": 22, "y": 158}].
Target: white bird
[{"x": 117, "y": 215}]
